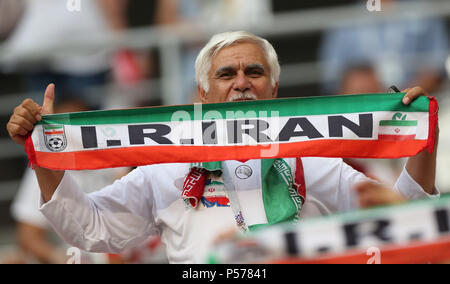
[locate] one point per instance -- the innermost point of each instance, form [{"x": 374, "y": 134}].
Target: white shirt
[
  {"x": 24, "y": 207},
  {"x": 148, "y": 199}
]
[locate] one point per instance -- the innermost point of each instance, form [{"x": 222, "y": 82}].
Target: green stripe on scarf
[{"x": 284, "y": 107}]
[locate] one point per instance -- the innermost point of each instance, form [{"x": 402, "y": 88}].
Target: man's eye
[
  {"x": 225, "y": 75},
  {"x": 256, "y": 73}
]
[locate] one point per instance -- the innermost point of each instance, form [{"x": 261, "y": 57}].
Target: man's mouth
[{"x": 244, "y": 100}]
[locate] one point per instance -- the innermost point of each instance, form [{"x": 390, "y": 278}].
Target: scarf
[
  {"x": 283, "y": 191},
  {"x": 415, "y": 232},
  {"x": 356, "y": 126}
]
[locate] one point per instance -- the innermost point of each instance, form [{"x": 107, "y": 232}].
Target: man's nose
[{"x": 241, "y": 83}]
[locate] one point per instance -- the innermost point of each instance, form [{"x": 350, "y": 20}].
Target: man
[{"x": 231, "y": 67}]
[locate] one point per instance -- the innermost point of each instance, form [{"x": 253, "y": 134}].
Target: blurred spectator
[
  {"x": 32, "y": 228},
  {"x": 219, "y": 14},
  {"x": 47, "y": 23},
  {"x": 11, "y": 12},
  {"x": 152, "y": 251},
  {"x": 360, "y": 79},
  {"x": 73, "y": 71},
  {"x": 130, "y": 67},
  {"x": 403, "y": 52},
  {"x": 363, "y": 79}
]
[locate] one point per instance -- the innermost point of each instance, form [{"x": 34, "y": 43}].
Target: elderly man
[{"x": 231, "y": 67}]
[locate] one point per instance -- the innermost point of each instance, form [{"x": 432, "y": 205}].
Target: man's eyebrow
[
  {"x": 255, "y": 66},
  {"x": 224, "y": 69}
]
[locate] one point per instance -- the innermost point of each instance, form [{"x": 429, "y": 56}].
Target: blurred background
[{"x": 104, "y": 54}]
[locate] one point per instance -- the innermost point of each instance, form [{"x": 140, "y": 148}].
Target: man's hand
[
  {"x": 422, "y": 167},
  {"x": 372, "y": 194},
  {"x": 26, "y": 115},
  {"x": 22, "y": 122},
  {"x": 412, "y": 94}
]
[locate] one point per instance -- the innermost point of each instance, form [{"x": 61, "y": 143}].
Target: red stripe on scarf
[
  {"x": 433, "y": 119},
  {"x": 141, "y": 156},
  {"x": 299, "y": 180},
  {"x": 29, "y": 149},
  {"x": 396, "y": 137}
]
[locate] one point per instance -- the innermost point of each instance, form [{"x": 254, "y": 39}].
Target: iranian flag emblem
[
  {"x": 397, "y": 129},
  {"x": 55, "y": 138}
]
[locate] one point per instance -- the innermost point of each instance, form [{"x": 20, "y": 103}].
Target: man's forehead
[{"x": 247, "y": 53}]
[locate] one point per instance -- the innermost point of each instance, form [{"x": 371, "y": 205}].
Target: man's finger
[
  {"x": 26, "y": 114},
  {"x": 23, "y": 122},
  {"x": 32, "y": 107},
  {"x": 413, "y": 94},
  {"x": 49, "y": 98},
  {"x": 15, "y": 129},
  {"x": 406, "y": 90}
]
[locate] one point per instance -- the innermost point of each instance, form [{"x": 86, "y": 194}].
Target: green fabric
[
  {"x": 398, "y": 123},
  {"x": 278, "y": 190},
  {"x": 52, "y": 127},
  {"x": 278, "y": 204},
  {"x": 249, "y": 109},
  {"x": 209, "y": 166}
]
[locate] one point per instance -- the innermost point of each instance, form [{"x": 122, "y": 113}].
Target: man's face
[{"x": 239, "y": 72}]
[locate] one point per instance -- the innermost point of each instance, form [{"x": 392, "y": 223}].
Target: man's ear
[
  {"x": 275, "y": 90},
  {"x": 202, "y": 94}
]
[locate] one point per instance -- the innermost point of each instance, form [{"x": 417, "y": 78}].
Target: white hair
[{"x": 220, "y": 41}]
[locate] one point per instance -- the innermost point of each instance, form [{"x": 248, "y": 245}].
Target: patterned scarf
[
  {"x": 357, "y": 126},
  {"x": 283, "y": 192}
]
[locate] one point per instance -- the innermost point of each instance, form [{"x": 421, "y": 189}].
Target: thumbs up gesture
[{"x": 26, "y": 115}]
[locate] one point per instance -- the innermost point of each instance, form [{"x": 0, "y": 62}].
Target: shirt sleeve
[
  {"x": 333, "y": 185},
  {"x": 330, "y": 183},
  {"x": 410, "y": 189},
  {"x": 110, "y": 220},
  {"x": 405, "y": 186}
]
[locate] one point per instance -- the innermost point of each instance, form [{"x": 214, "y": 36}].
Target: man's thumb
[{"x": 49, "y": 98}]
